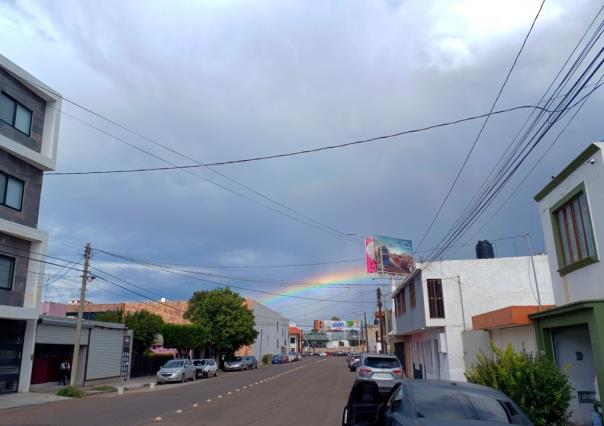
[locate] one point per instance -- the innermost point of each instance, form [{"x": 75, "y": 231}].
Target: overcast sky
[{"x": 221, "y": 80}]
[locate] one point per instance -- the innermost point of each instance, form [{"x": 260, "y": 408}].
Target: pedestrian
[{"x": 64, "y": 372}]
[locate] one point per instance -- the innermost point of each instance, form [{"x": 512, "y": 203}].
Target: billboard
[
  {"x": 342, "y": 325},
  {"x": 388, "y": 255}
]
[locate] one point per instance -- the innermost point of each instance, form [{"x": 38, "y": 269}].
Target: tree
[
  {"x": 109, "y": 316},
  {"x": 145, "y": 326},
  {"x": 182, "y": 337},
  {"x": 533, "y": 381},
  {"x": 228, "y": 323},
  {"x": 335, "y": 318}
]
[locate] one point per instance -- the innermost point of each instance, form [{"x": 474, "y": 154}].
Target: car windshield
[
  {"x": 488, "y": 408},
  {"x": 236, "y": 359},
  {"x": 378, "y": 362},
  {"x": 174, "y": 364},
  {"x": 441, "y": 404},
  {"x": 202, "y": 362}
]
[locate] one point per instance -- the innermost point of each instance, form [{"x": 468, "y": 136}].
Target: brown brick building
[{"x": 171, "y": 311}]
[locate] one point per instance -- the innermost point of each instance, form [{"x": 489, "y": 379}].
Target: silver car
[
  {"x": 234, "y": 364},
  {"x": 384, "y": 369},
  {"x": 205, "y": 367},
  {"x": 176, "y": 370}
]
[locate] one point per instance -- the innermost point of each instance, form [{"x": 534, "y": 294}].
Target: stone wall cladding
[
  {"x": 172, "y": 313},
  {"x": 13, "y": 88},
  {"x": 32, "y": 177},
  {"x": 18, "y": 249}
]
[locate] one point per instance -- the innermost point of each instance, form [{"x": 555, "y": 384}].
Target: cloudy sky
[{"x": 221, "y": 80}]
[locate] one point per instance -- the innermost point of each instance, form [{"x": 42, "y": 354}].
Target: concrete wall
[
  {"x": 16, "y": 248},
  {"x": 588, "y": 282},
  {"x": 273, "y": 331}
]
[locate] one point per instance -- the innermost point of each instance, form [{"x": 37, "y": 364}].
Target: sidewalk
[
  {"x": 135, "y": 383},
  {"x": 21, "y": 399}
]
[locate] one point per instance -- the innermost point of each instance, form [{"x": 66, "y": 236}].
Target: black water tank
[{"x": 484, "y": 250}]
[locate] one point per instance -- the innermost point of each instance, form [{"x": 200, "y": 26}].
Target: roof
[
  {"x": 294, "y": 330},
  {"x": 510, "y": 316},
  {"x": 568, "y": 170},
  {"x": 71, "y": 322},
  {"x": 568, "y": 308}
]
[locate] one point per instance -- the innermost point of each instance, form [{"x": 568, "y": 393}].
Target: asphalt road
[{"x": 308, "y": 392}]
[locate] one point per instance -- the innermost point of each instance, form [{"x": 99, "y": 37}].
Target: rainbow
[{"x": 350, "y": 275}]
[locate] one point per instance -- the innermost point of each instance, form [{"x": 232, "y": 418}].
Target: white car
[
  {"x": 176, "y": 370},
  {"x": 323, "y": 354},
  {"x": 292, "y": 357},
  {"x": 205, "y": 367}
]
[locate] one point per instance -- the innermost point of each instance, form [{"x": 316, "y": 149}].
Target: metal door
[{"x": 11, "y": 346}]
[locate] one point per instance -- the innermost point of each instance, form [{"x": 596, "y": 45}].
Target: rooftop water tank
[{"x": 484, "y": 250}]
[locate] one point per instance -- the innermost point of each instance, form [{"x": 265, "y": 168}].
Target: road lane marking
[
  {"x": 158, "y": 419},
  {"x": 195, "y": 405},
  {"x": 208, "y": 400},
  {"x": 219, "y": 396},
  {"x": 245, "y": 387},
  {"x": 236, "y": 390},
  {"x": 230, "y": 393}
]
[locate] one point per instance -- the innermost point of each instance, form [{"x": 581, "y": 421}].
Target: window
[
  {"x": 7, "y": 269},
  {"x": 376, "y": 362},
  {"x": 435, "y": 298},
  {"x": 14, "y": 114},
  {"x": 412, "y": 294},
  {"x": 11, "y": 191},
  {"x": 573, "y": 232},
  {"x": 403, "y": 301},
  {"x": 292, "y": 340}
]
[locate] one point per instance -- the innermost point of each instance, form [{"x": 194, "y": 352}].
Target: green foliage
[
  {"x": 71, "y": 392},
  {"x": 229, "y": 324},
  {"x": 146, "y": 326},
  {"x": 267, "y": 359},
  {"x": 534, "y": 382},
  {"x": 183, "y": 338},
  {"x": 109, "y": 316}
]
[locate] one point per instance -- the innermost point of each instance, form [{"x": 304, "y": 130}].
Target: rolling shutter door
[
  {"x": 57, "y": 335},
  {"x": 105, "y": 353}
]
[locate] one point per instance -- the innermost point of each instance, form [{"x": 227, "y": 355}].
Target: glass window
[
  {"x": 7, "y": 109},
  {"x": 3, "y": 180},
  {"x": 174, "y": 364},
  {"x": 574, "y": 230},
  {"x": 435, "y": 298},
  {"x": 376, "y": 362},
  {"x": 23, "y": 119},
  {"x": 7, "y": 267},
  {"x": 14, "y": 193},
  {"x": 412, "y": 294},
  {"x": 488, "y": 408}
]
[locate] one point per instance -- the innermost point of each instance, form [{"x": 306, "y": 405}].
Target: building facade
[
  {"x": 571, "y": 207},
  {"x": 435, "y": 305},
  {"x": 29, "y": 126},
  {"x": 273, "y": 332}
]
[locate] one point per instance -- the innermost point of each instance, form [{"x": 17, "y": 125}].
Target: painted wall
[
  {"x": 586, "y": 283},
  {"x": 273, "y": 332},
  {"x": 486, "y": 285}
]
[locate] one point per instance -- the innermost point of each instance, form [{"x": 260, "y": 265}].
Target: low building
[
  {"x": 571, "y": 206},
  {"x": 296, "y": 338},
  {"x": 105, "y": 350},
  {"x": 509, "y": 326},
  {"x": 436, "y": 303},
  {"x": 272, "y": 328}
]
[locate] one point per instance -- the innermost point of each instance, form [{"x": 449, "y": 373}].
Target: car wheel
[
  {"x": 216, "y": 373},
  {"x": 182, "y": 378}
]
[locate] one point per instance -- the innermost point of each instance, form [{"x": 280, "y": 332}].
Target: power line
[
  {"x": 295, "y": 153},
  {"x": 480, "y": 132}
]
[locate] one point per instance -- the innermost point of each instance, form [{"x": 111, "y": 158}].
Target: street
[{"x": 309, "y": 392}]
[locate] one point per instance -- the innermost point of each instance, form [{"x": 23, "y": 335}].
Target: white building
[
  {"x": 29, "y": 126},
  {"x": 572, "y": 215},
  {"x": 273, "y": 332},
  {"x": 435, "y": 305}
]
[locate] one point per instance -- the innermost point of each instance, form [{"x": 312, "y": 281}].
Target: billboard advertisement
[
  {"x": 388, "y": 255},
  {"x": 342, "y": 325}
]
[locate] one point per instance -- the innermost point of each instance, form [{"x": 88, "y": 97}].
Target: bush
[
  {"x": 267, "y": 359},
  {"x": 71, "y": 392},
  {"x": 533, "y": 381}
]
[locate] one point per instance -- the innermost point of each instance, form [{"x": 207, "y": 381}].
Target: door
[
  {"x": 573, "y": 352},
  {"x": 399, "y": 352},
  {"x": 12, "y": 334}
]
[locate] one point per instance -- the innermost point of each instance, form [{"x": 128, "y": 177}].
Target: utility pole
[
  {"x": 386, "y": 328},
  {"x": 463, "y": 314},
  {"x": 530, "y": 247},
  {"x": 78, "y": 333},
  {"x": 366, "y": 332},
  {"x": 381, "y": 319}
]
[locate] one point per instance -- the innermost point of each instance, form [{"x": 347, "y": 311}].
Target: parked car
[
  {"x": 315, "y": 354},
  {"x": 429, "y": 402},
  {"x": 236, "y": 363},
  {"x": 385, "y": 369},
  {"x": 280, "y": 359},
  {"x": 250, "y": 361},
  {"x": 299, "y": 356},
  {"x": 292, "y": 357},
  {"x": 323, "y": 354},
  {"x": 176, "y": 370},
  {"x": 354, "y": 361},
  {"x": 205, "y": 367}
]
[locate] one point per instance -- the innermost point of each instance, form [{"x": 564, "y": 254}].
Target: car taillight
[
  {"x": 398, "y": 372},
  {"x": 365, "y": 370}
]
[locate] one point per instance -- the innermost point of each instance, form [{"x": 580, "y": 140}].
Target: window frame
[
  {"x": 412, "y": 295},
  {"x": 563, "y": 267},
  {"x": 12, "y": 272},
  {"x": 436, "y": 303},
  {"x": 3, "y": 196},
  {"x": 403, "y": 301},
  {"x": 14, "y": 118}
]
